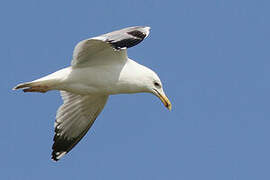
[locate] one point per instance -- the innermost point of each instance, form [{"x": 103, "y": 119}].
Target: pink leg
[{"x": 41, "y": 89}]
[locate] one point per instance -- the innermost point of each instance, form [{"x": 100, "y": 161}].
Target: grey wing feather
[
  {"x": 73, "y": 120},
  {"x": 108, "y": 46}
]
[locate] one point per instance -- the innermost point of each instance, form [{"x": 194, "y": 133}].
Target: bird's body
[
  {"x": 100, "y": 67},
  {"x": 107, "y": 79}
]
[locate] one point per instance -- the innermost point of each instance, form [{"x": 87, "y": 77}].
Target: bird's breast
[
  {"x": 105, "y": 79},
  {"x": 93, "y": 80}
]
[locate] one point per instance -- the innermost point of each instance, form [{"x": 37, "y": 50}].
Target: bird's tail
[{"x": 45, "y": 83}]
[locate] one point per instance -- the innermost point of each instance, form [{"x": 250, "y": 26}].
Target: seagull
[{"x": 99, "y": 68}]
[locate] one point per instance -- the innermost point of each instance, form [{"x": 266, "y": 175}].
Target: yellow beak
[{"x": 164, "y": 100}]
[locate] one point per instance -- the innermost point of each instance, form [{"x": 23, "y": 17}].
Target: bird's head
[{"x": 154, "y": 86}]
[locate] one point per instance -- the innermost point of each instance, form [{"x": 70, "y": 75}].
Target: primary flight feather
[{"x": 100, "y": 67}]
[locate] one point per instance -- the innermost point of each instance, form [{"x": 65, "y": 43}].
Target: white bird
[{"x": 100, "y": 67}]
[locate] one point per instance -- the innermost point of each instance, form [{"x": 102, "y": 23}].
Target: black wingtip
[
  {"x": 58, "y": 155},
  {"x": 127, "y": 37},
  {"x": 54, "y": 156},
  {"x": 54, "y": 159},
  {"x": 138, "y": 34}
]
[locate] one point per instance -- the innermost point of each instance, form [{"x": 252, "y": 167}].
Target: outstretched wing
[
  {"x": 108, "y": 46},
  {"x": 74, "y": 118}
]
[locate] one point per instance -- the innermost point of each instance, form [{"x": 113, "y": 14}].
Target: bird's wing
[
  {"x": 74, "y": 118},
  {"x": 108, "y": 46}
]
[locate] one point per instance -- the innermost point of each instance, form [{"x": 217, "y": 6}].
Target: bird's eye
[{"x": 157, "y": 84}]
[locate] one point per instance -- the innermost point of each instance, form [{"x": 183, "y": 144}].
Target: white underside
[{"x": 125, "y": 77}]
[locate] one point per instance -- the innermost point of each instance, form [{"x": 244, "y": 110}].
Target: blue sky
[{"x": 212, "y": 56}]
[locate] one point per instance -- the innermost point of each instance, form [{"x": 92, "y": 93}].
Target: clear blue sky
[{"x": 212, "y": 56}]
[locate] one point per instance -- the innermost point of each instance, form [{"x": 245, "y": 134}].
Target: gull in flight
[{"x": 99, "y": 68}]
